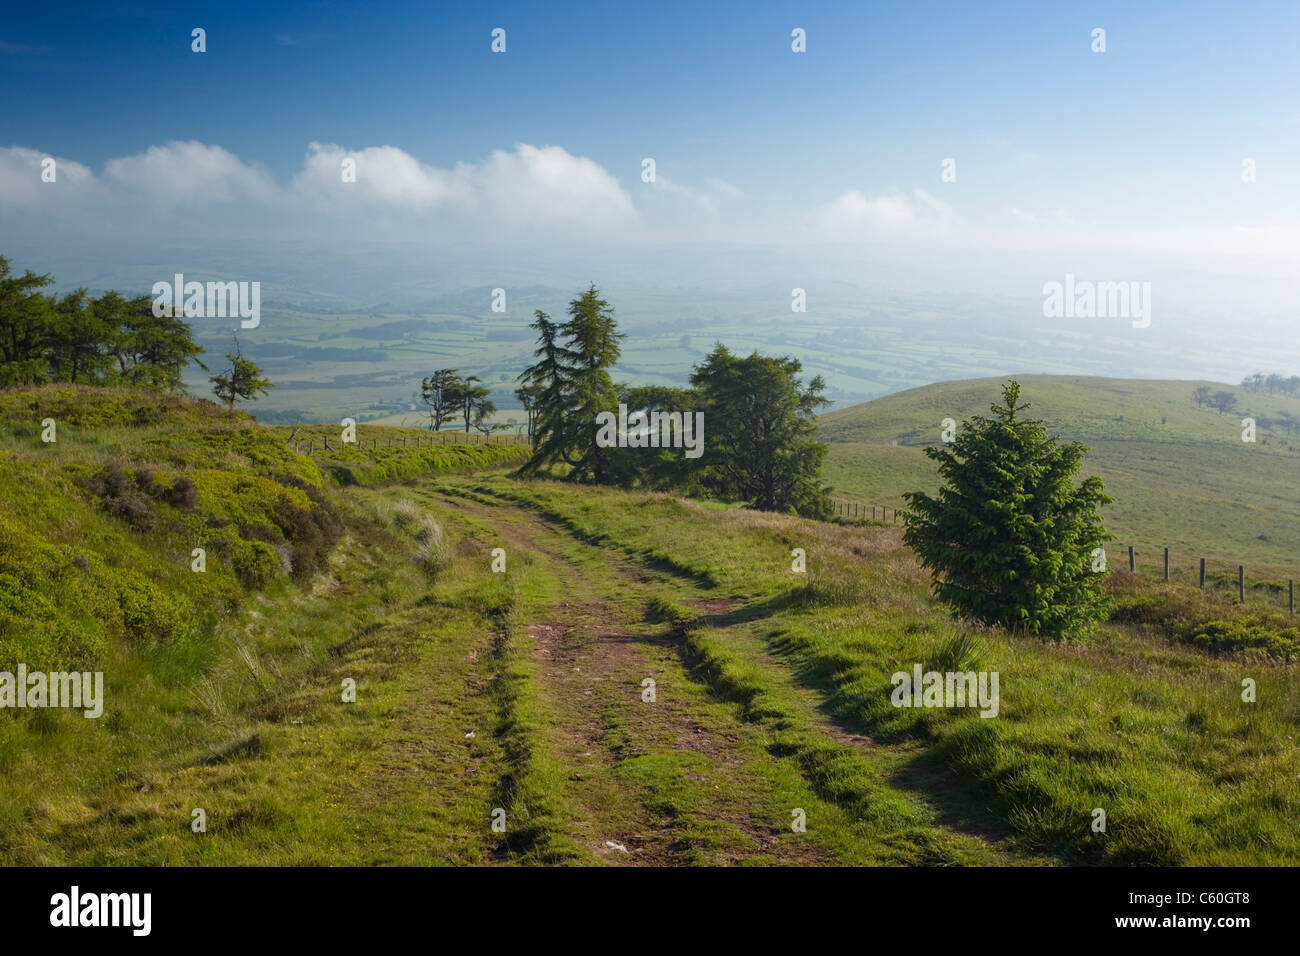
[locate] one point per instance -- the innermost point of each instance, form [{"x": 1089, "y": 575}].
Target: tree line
[
  {"x": 758, "y": 444},
  {"x": 1259, "y": 382},
  {"x": 104, "y": 340},
  {"x": 1224, "y": 401}
]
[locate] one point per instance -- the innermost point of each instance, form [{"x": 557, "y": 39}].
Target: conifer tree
[
  {"x": 242, "y": 380},
  {"x": 439, "y": 391},
  {"x": 591, "y": 348},
  {"x": 1010, "y": 538},
  {"x": 548, "y": 380}
]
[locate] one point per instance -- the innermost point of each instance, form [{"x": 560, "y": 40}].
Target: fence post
[
  {"x": 1241, "y": 582},
  {"x": 1166, "y": 564},
  {"x": 1132, "y": 559},
  {"x": 1290, "y": 594},
  {"x": 873, "y": 512},
  {"x": 1202, "y": 573}
]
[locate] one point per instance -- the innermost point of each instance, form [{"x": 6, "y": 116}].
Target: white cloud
[
  {"x": 385, "y": 175},
  {"x": 529, "y": 187},
  {"x": 21, "y": 183},
  {"x": 188, "y": 174},
  {"x": 544, "y": 191},
  {"x": 548, "y": 185},
  {"x": 892, "y": 215}
]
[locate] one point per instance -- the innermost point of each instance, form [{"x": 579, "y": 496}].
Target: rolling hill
[
  {"x": 1180, "y": 474},
  {"x": 615, "y": 677}
]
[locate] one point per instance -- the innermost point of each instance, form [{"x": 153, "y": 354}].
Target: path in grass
[
  {"x": 694, "y": 777},
  {"x": 523, "y": 691},
  {"x": 674, "y": 779}
]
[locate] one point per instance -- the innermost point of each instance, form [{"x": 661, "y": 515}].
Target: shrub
[
  {"x": 110, "y": 482},
  {"x": 133, "y": 509},
  {"x": 310, "y": 532},
  {"x": 148, "y": 613},
  {"x": 121, "y": 496},
  {"x": 182, "y": 495},
  {"x": 1258, "y": 634},
  {"x": 254, "y": 562}
]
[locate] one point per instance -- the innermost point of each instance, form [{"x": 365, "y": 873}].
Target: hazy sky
[{"x": 1138, "y": 150}]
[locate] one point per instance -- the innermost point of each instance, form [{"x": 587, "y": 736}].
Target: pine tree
[
  {"x": 440, "y": 392},
  {"x": 572, "y": 386},
  {"x": 762, "y": 445},
  {"x": 1010, "y": 538},
  {"x": 472, "y": 401},
  {"x": 25, "y": 320},
  {"x": 548, "y": 380},
  {"x": 591, "y": 349},
  {"x": 243, "y": 379}
]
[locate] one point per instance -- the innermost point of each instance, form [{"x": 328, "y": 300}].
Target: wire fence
[
  {"x": 858, "y": 511},
  {"x": 1216, "y": 574},
  {"x": 311, "y": 445}
]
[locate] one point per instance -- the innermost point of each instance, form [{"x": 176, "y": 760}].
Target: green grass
[
  {"x": 1132, "y": 721},
  {"x": 380, "y": 454},
  {"x": 1180, "y": 475},
  {"x": 523, "y": 690}
]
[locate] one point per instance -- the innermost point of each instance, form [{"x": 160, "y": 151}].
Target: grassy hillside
[
  {"x": 1181, "y": 476},
  {"x": 523, "y": 689},
  {"x": 381, "y": 454},
  {"x": 96, "y": 555}
]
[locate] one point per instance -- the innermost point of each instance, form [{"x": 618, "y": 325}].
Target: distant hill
[{"x": 1181, "y": 475}]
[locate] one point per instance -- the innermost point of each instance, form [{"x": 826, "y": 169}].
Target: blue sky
[{"x": 1140, "y": 146}]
